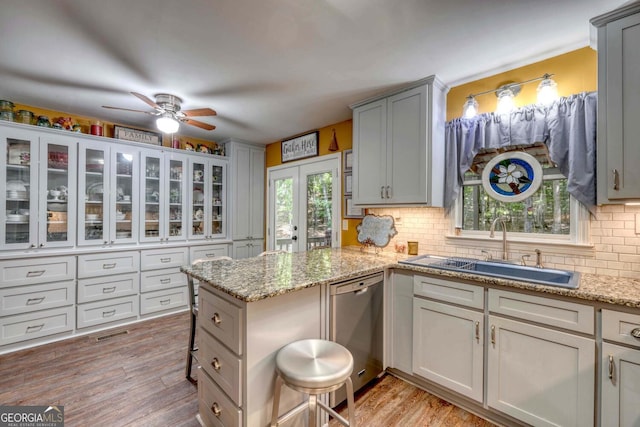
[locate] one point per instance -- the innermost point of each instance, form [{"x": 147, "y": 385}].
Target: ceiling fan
[{"x": 167, "y": 108}]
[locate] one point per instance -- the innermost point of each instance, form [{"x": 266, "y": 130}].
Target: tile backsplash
[{"x": 614, "y": 249}]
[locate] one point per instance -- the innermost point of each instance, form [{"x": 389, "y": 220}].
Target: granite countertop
[{"x": 253, "y": 279}]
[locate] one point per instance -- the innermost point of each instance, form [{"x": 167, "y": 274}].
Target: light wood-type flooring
[{"x": 137, "y": 379}]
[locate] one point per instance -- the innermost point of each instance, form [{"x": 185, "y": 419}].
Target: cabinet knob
[
  {"x": 215, "y": 408},
  {"x": 216, "y": 364},
  {"x": 635, "y": 333},
  {"x": 216, "y": 319},
  {"x": 32, "y": 246},
  {"x": 42, "y": 245}
]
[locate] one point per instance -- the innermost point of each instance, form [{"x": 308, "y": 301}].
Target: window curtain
[{"x": 567, "y": 127}]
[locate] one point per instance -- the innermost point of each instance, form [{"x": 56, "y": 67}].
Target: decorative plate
[
  {"x": 376, "y": 230},
  {"x": 512, "y": 177}
]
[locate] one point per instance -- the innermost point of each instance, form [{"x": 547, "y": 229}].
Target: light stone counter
[{"x": 253, "y": 279}]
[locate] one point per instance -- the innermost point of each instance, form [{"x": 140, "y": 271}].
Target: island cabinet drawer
[
  {"x": 107, "y": 264},
  {"x": 562, "y": 314},
  {"x": 97, "y": 313},
  {"x": 221, "y": 319},
  {"x": 209, "y": 251},
  {"x": 101, "y": 288},
  {"x": 224, "y": 367},
  {"x": 162, "y": 279},
  {"x": 163, "y": 258},
  {"x": 38, "y": 324},
  {"x": 449, "y": 291},
  {"x": 214, "y": 407},
  {"x": 19, "y": 272},
  {"x": 169, "y": 299},
  {"x": 621, "y": 327},
  {"x": 24, "y": 299}
]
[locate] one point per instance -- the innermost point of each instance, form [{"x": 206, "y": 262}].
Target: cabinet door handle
[
  {"x": 108, "y": 266},
  {"x": 35, "y": 328},
  {"x": 35, "y": 273},
  {"x": 616, "y": 179},
  {"x": 109, "y": 313},
  {"x": 215, "y": 408},
  {"x": 493, "y": 335},
  {"x": 165, "y": 281},
  {"x": 165, "y": 260},
  {"x": 635, "y": 333},
  {"x": 34, "y": 301},
  {"x": 165, "y": 301},
  {"x": 216, "y": 319},
  {"x": 478, "y": 331},
  {"x": 382, "y": 192},
  {"x": 611, "y": 367},
  {"x": 216, "y": 364},
  {"x": 388, "y": 192},
  {"x": 108, "y": 290}
]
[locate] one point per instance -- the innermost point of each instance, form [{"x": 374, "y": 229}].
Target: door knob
[{"x": 294, "y": 238}]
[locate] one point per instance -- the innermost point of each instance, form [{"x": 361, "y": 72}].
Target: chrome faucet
[
  {"x": 539, "y": 258},
  {"x": 492, "y": 233}
]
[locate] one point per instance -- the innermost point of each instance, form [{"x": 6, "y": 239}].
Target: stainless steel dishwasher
[{"x": 356, "y": 323}]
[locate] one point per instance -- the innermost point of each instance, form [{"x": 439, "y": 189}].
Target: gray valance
[{"x": 568, "y": 128}]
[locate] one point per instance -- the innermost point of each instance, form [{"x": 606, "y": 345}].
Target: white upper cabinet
[
  {"x": 247, "y": 191},
  {"x": 398, "y": 146},
  {"x": 38, "y": 207},
  {"x": 207, "y": 183},
  {"x": 618, "y": 104}
]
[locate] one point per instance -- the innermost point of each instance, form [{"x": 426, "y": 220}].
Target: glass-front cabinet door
[
  {"x": 164, "y": 187},
  {"x": 38, "y": 172},
  {"x": 207, "y": 192},
  {"x": 108, "y": 178}
]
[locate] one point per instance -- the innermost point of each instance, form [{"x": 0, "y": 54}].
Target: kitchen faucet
[{"x": 492, "y": 233}]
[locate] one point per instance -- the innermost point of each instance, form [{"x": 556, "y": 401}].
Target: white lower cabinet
[
  {"x": 400, "y": 318},
  {"x": 163, "y": 287},
  {"x": 208, "y": 251},
  {"x": 620, "y": 369},
  {"x": 34, "y": 325},
  {"x": 107, "y": 311},
  {"x": 247, "y": 248},
  {"x": 541, "y": 376}
]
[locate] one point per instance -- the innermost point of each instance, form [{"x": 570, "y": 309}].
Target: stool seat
[{"x": 314, "y": 363}]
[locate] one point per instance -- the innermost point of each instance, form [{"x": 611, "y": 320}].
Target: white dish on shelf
[
  {"x": 17, "y": 218},
  {"x": 16, "y": 186},
  {"x": 123, "y": 234},
  {"x": 92, "y": 217}
]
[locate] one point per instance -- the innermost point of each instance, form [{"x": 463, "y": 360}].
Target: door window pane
[
  {"x": 284, "y": 213},
  {"x": 319, "y": 209}
]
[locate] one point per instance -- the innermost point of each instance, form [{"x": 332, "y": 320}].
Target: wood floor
[{"x": 137, "y": 379}]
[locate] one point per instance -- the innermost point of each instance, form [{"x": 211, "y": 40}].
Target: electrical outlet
[{"x": 345, "y": 225}]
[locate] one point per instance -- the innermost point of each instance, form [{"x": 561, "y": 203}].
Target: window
[{"x": 550, "y": 214}]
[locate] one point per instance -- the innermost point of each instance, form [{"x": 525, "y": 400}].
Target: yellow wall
[
  {"x": 344, "y": 137},
  {"x": 85, "y": 123},
  {"x": 575, "y": 72}
]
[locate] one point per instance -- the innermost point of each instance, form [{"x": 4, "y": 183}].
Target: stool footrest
[
  {"x": 290, "y": 413},
  {"x": 334, "y": 414}
]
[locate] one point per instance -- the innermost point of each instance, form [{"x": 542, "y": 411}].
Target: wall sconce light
[{"x": 547, "y": 94}]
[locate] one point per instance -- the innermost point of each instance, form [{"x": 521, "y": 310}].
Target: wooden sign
[{"x": 300, "y": 147}]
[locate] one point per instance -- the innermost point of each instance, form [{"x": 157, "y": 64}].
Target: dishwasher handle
[{"x": 358, "y": 286}]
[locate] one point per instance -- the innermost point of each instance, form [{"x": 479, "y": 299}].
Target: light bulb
[
  {"x": 167, "y": 124},
  {"x": 547, "y": 91},
  {"x": 470, "y": 108},
  {"x": 505, "y": 101}
]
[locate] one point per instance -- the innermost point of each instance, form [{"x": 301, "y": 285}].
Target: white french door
[{"x": 304, "y": 205}]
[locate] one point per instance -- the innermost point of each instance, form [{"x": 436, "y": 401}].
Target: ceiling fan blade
[
  {"x": 129, "y": 109},
  {"x": 147, "y": 101},
  {"x": 202, "y": 125},
  {"x": 199, "y": 112}
]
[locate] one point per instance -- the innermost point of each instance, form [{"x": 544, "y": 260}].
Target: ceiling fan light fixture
[{"x": 167, "y": 124}]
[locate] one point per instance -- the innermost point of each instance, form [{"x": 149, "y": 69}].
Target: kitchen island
[{"x": 250, "y": 308}]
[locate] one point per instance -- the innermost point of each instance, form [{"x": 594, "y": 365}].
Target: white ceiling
[{"x": 270, "y": 68}]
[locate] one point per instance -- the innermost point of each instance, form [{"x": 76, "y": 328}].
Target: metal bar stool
[
  {"x": 314, "y": 367},
  {"x": 193, "y": 308}
]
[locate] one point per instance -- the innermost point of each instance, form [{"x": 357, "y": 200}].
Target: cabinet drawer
[
  {"x": 108, "y": 264},
  {"x": 97, "y": 313},
  {"x": 449, "y": 291},
  {"x": 617, "y": 327},
  {"x": 24, "y": 299},
  {"x": 162, "y": 279},
  {"x": 210, "y": 399},
  {"x": 163, "y": 300},
  {"x": 101, "y": 288},
  {"x": 223, "y": 366},
  {"x": 38, "y": 270},
  {"x": 221, "y": 319},
  {"x": 209, "y": 251},
  {"x": 163, "y": 258},
  {"x": 23, "y": 327},
  {"x": 561, "y": 314}
]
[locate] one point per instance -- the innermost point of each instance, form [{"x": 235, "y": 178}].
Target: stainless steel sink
[{"x": 503, "y": 270}]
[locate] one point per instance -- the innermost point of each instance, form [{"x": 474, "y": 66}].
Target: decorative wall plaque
[{"x": 376, "y": 230}]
